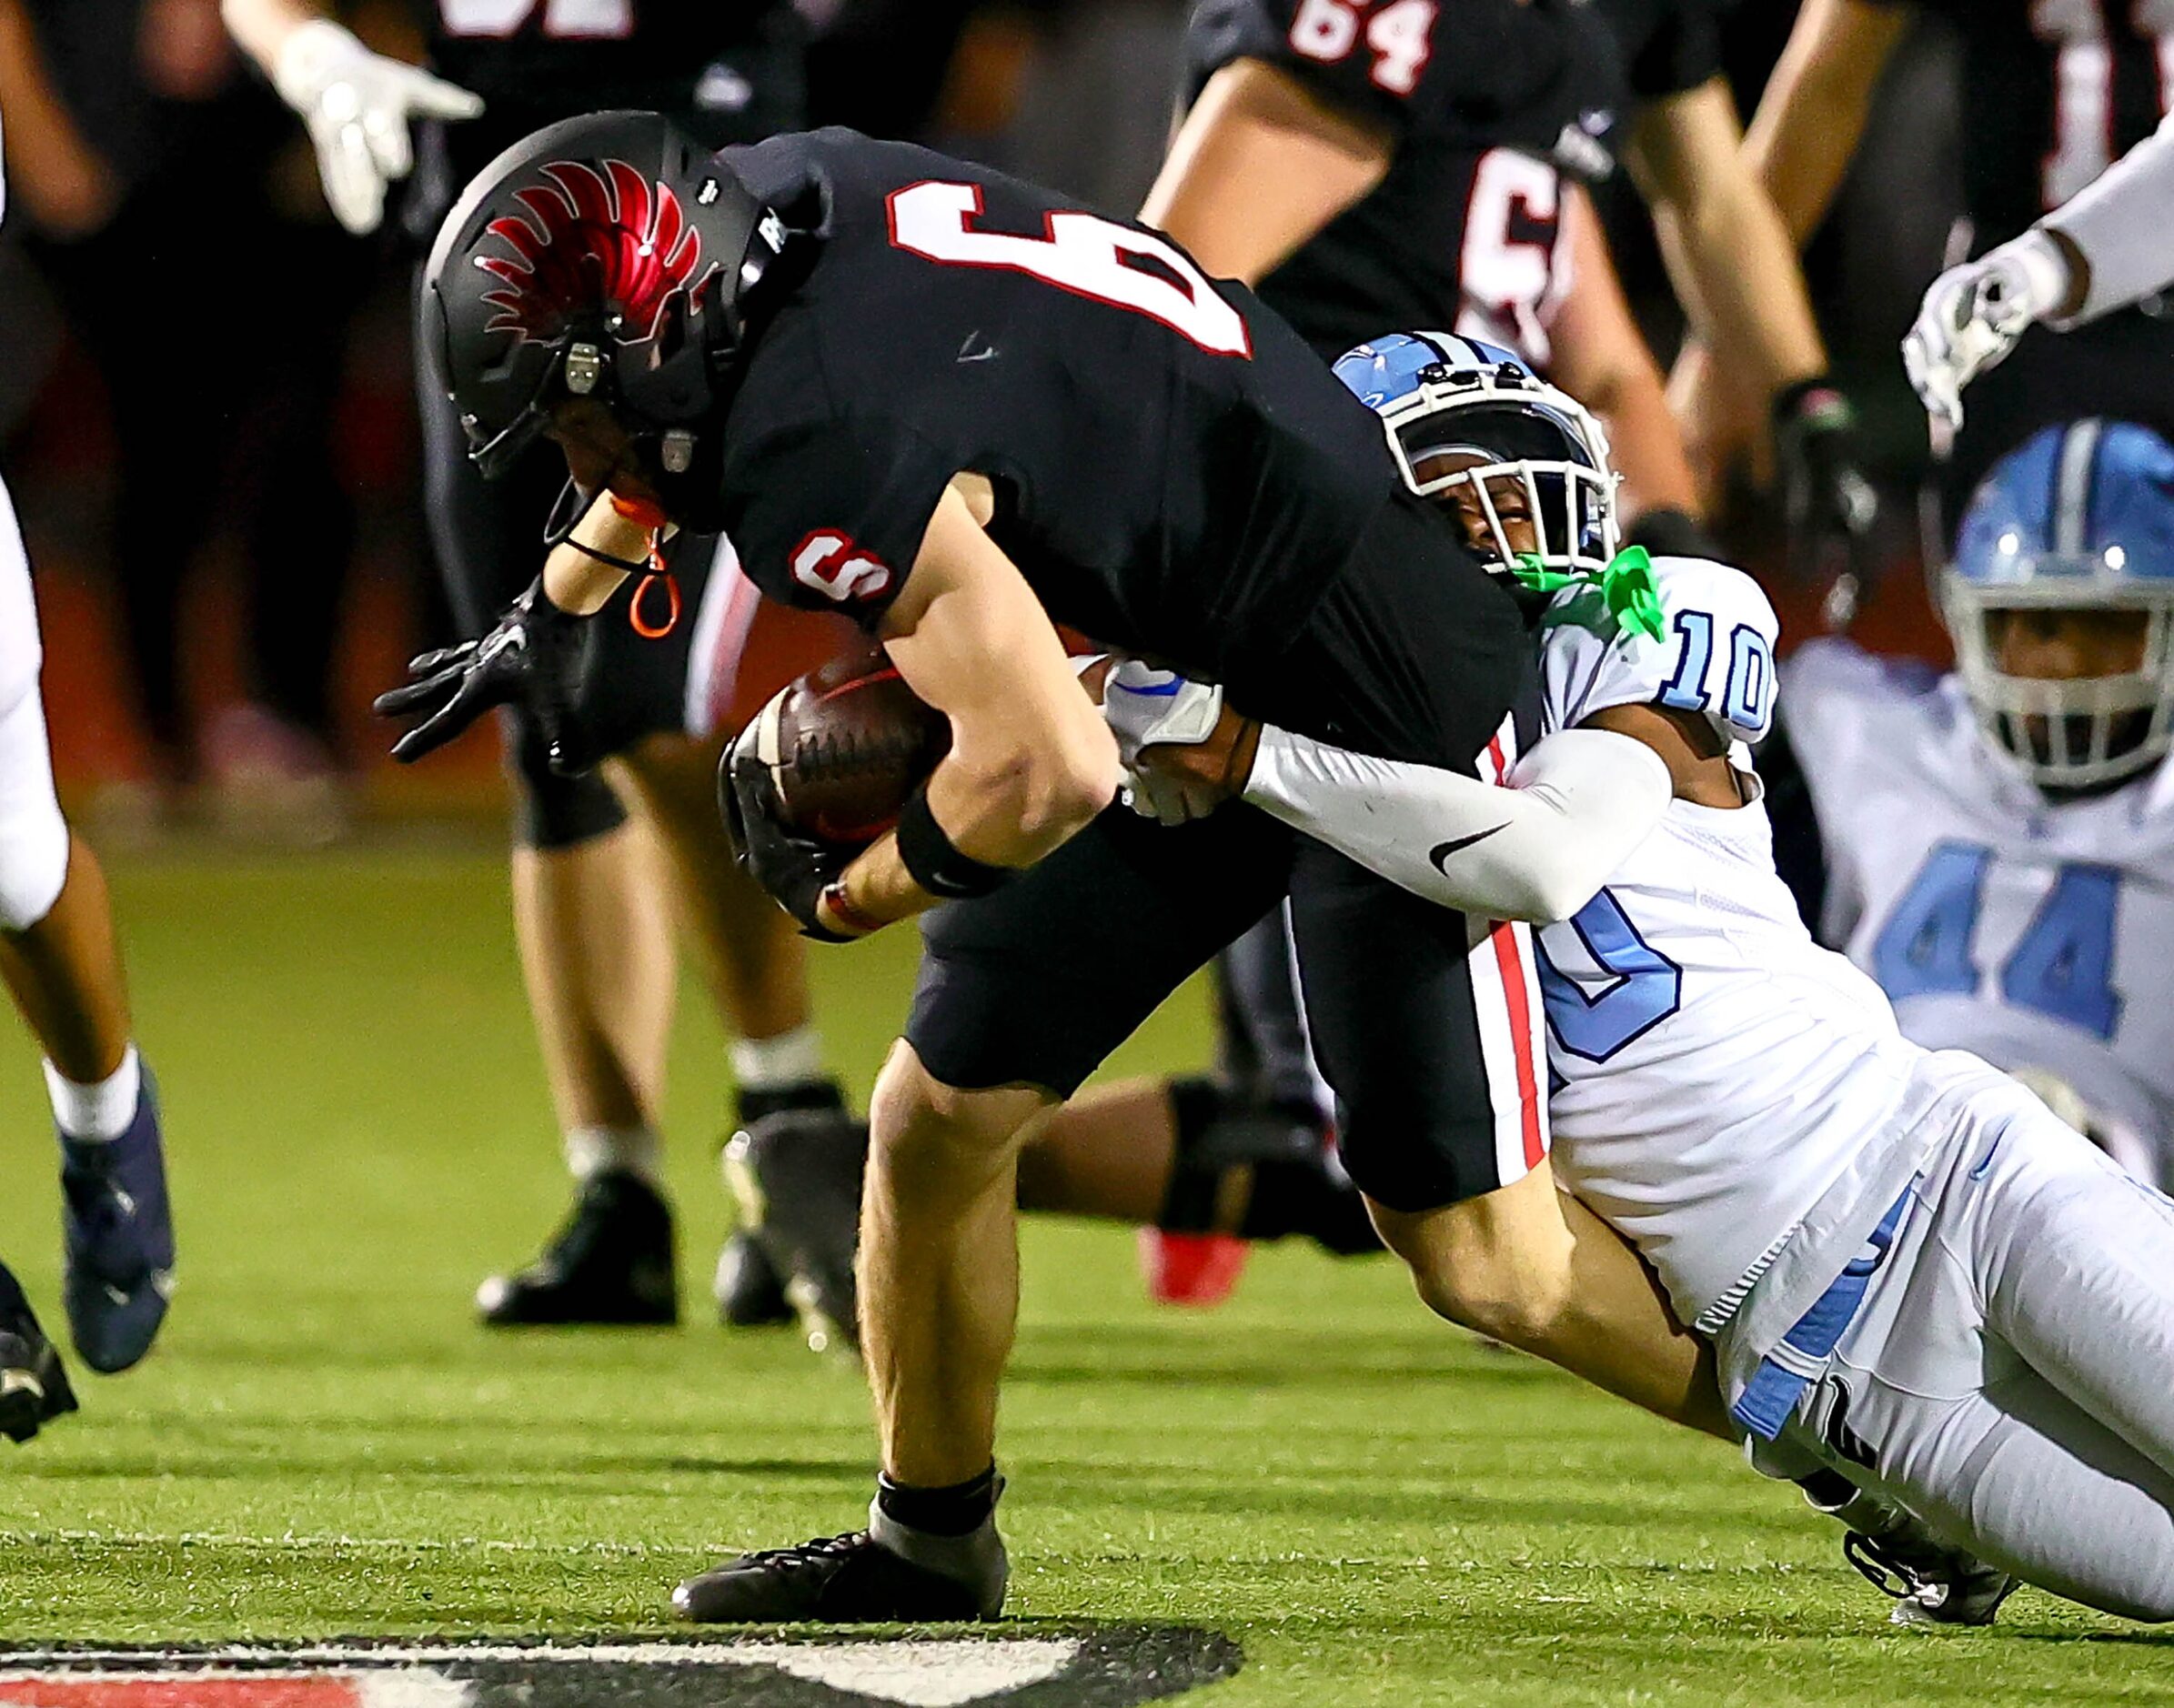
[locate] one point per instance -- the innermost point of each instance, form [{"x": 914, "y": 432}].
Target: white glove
[
  {"x": 357, "y": 105},
  {"x": 1148, "y": 707},
  {"x": 1973, "y": 314}
]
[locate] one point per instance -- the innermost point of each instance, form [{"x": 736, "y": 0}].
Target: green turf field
[{"x": 1378, "y": 1510}]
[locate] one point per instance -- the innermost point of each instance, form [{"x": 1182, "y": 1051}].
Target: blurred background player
[
  {"x": 592, "y": 887},
  {"x": 1992, "y": 844},
  {"x": 123, "y": 110},
  {"x": 62, "y": 965},
  {"x": 2050, "y": 91}
]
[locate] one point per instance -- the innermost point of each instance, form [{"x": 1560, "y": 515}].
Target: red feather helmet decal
[{"x": 590, "y": 241}]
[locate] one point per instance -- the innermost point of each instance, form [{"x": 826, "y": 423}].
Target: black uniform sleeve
[
  {"x": 1679, "y": 49},
  {"x": 1412, "y": 65},
  {"x": 830, "y": 515}
]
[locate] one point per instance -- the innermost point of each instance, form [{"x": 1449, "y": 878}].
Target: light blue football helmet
[
  {"x": 2079, "y": 516},
  {"x": 1439, "y": 395}
]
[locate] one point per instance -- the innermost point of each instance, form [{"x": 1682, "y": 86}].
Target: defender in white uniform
[
  {"x": 1997, "y": 845},
  {"x": 1915, "y": 1277},
  {"x": 60, "y": 963},
  {"x": 1913, "y": 1274}
]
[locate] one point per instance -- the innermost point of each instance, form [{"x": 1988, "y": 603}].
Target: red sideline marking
[
  {"x": 112, "y": 1691},
  {"x": 1512, "y": 968}
]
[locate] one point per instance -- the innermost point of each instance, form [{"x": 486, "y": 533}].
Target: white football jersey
[
  {"x": 2038, "y": 935},
  {"x": 1715, "y": 1071}
]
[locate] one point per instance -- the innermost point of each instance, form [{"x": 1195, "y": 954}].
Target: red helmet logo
[{"x": 590, "y": 238}]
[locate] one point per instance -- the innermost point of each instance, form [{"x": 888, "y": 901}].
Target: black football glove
[
  {"x": 531, "y": 658},
  {"x": 1829, "y": 505},
  {"x": 793, "y": 868}
]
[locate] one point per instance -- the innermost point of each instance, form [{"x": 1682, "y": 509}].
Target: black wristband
[{"x": 933, "y": 863}]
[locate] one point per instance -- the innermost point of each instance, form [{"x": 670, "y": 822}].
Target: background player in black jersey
[
  {"x": 591, "y": 890},
  {"x": 933, "y": 398},
  {"x": 1370, "y": 161},
  {"x": 2049, "y": 94}
]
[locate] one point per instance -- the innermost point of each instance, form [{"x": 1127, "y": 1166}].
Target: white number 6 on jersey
[{"x": 1082, "y": 253}]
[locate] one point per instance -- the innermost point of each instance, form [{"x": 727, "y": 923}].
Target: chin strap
[{"x": 1626, "y": 589}]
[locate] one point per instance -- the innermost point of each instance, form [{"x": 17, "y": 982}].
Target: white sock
[
  {"x": 594, "y": 1151},
  {"x": 763, "y": 1064},
  {"x": 98, "y": 1112}
]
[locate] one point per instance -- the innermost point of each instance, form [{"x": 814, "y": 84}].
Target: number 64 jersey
[
  {"x": 2037, "y": 934},
  {"x": 1715, "y": 1074}
]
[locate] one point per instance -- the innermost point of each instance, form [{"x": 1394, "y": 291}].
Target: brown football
[{"x": 847, "y": 744}]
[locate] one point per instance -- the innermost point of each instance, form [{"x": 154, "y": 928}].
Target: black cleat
[
  {"x": 1933, "y": 1582},
  {"x": 613, "y": 1262},
  {"x": 33, "y": 1387},
  {"x": 117, "y": 1233},
  {"x": 852, "y": 1580},
  {"x": 749, "y": 1292},
  {"x": 797, "y": 1175}
]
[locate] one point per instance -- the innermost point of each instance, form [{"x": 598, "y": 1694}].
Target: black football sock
[
  {"x": 757, "y": 1101},
  {"x": 13, "y": 1303},
  {"x": 1196, "y": 1171},
  {"x": 1311, "y": 1196},
  {"x": 957, "y": 1511}
]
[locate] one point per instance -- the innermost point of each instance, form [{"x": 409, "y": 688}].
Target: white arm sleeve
[
  {"x": 1576, "y": 807},
  {"x": 2123, "y": 225}
]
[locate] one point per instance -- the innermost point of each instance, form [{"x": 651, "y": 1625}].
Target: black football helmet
[{"x": 609, "y": 257}]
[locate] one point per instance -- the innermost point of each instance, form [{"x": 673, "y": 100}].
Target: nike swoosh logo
[
  {"x": 1164, "y": 690},
  {"x": 1439, "y": 854}
]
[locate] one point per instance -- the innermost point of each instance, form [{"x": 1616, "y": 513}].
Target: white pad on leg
[{"x": 34, "y": 836}]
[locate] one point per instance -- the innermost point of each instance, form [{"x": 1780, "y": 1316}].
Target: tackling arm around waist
[{"x": 1575, "y": 807}]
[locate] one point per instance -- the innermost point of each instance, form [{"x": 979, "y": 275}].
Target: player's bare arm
[
  {"x": 1798, "y": 145},
  {"x": 1258, "y": 166},
  {"x": 1600, "y": 357},
  {"x": 68, "y": 190},
  {"x": 1736, "y": 273},
  {"x": 1031, "y": 760},
  {"x": 1801, "y": 140},
  {"x": 1727, "y": 251}
]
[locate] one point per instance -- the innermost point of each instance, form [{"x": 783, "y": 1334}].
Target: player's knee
[
  {"x": 1488, "y": 1264},
  {"x": 34, "y": 836},
  {"x": 922, "y": 1130},
  {"x": 553, "y": 811}
]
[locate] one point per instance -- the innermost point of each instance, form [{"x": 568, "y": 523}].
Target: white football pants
[
  {"x": 34, "y": 838},
  {"x": 2010, "y": 1375}
]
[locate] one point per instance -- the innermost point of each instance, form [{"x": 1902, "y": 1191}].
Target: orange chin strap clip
[{"x": 645, "y": 515}]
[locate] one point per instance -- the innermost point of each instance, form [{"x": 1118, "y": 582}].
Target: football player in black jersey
[
  {"x": 945, "y": 403},
  {"x": 2051, "y": 95},
  {"x": 592, "y": 921}
]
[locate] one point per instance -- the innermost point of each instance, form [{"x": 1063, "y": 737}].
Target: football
[{"x": 847, "y": 744}]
